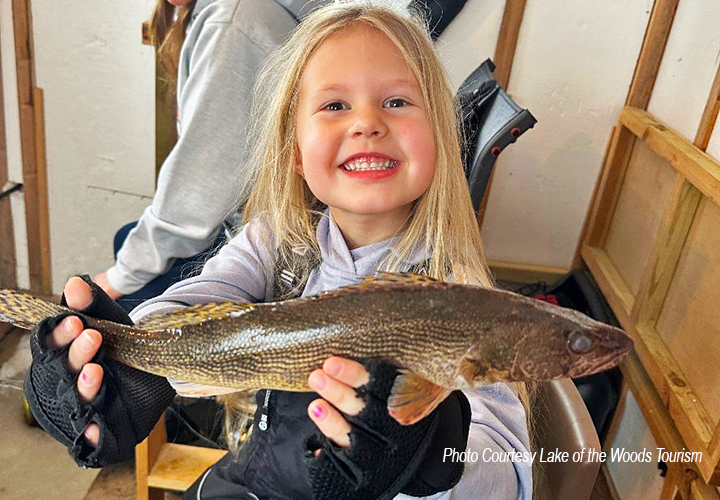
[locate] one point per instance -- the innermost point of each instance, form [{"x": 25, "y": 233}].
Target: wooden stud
[
  {"x": 669, "y": 490},
  {"x": 663, "y": 259},
  {"x": 165, "y": 123},
  {"x": 709, "y": 116},
  {"x": 651, "y": 53},
  {"x": 611, "y": 283},
  {"x": 507, "y": 40},
  {"x": 8, "y": 263},
  {"x": 699, "y": 168},
  {"x": 663, "y": 430},
  {"x": 146, "y": 454},
  {"x": 43, "y": 205},
  {"x": 577, "y": 258},
  {"x": 609, "y": 187},
  {"x": 35, "y": 215},
  {"x": 503, "y": 59}
]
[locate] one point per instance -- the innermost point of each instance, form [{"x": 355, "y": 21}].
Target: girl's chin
[{"x": 371, "y": 210}]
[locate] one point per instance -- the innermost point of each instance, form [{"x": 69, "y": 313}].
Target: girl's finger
[
  {"x": 77, "y": 294},
  {"x": 67, "y": 331},
  {"x": 341, "y": 396},
  {"x": 83, "y": 349},
  {"x": 346, "y": 371},
  {"x": 89, "y": 382},
  {"x": 92, "y": 434},
  {"x": 330, "y": 422}
]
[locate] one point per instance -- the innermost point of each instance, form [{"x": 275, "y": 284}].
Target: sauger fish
[{"x": 443, "y": 336}]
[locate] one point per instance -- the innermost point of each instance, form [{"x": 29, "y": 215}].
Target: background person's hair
[{"x": 168, "y": 26}]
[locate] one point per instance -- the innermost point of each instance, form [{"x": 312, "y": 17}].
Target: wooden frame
[
  {"x": 8, "y": 264},
  {"x": 32, "y": 136},
  {"x": 160, "y": 465},
  {"x": 698, "y": 176}
]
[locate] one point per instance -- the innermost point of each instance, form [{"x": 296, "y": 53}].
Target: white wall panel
[
  {"x": 470, "y": 38},
  {"x": 573, "y": 65},
  {"x": 688, "y": 67},
  {"x": 634, "y": 479},
  {"x": 99, "y": 86}
]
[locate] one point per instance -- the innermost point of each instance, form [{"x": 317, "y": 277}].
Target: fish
[{"x": 441, "y": 336}]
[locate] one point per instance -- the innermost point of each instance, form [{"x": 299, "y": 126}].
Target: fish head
[{"x": 569, "y": 345}]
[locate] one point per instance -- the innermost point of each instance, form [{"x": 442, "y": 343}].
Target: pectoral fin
[{"x": 413, "y": 398}]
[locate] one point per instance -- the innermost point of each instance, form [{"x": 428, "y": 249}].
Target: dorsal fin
[
  {"x": 384, "y": 281},
  {"x": 401, "y": 278},
  {"x": 387, "y": 280},
  {"x": 195, "y": 315}
]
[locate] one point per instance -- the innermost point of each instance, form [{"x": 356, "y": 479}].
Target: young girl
[{"x": 360, "y": 172}]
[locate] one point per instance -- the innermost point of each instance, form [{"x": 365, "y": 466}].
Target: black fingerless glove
[
  {"x": 384, "y": 457},
  {"x": 126, "y": 408}
]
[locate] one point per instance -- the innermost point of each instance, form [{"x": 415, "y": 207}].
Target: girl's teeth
[{"x": 362, "y": 165}]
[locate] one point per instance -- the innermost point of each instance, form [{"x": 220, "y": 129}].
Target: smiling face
[{"x": 366, "y": 145}]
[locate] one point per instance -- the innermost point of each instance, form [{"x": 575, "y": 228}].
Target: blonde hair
[{"x": 442, "y": 218}]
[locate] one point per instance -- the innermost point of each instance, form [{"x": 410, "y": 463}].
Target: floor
[
  {"x": 33, "y": 464},
  {"x": 36, "y": 466}
]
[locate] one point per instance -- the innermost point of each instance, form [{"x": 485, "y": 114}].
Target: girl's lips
[{"x": 371, "y": 175}]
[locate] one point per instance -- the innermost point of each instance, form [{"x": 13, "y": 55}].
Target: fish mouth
[{"x": 608, "y": 354}]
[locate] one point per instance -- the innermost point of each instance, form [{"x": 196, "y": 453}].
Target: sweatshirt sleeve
[
  {"x": 497, "y": 428},
  {"x": 242, "y": 271},
  {"x": 201, "y": 181}
]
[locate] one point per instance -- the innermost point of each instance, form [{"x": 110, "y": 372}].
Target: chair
[
  {"x": 491, "y": 121},
  {"x": 561, "y": 421}
]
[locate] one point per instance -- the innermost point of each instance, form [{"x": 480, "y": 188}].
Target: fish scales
[
  {"x": 450, "y": 335},
  {"x": 276, "y": 345}
]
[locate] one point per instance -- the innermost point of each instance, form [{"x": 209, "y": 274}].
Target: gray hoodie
[{"x": 201, "y": 181}]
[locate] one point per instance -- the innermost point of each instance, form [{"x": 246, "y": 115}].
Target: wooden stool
[{"x": 160, "y": 465}]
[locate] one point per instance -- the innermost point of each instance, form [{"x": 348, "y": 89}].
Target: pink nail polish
[
  {"x": 85, "y": 378},
  {"x": 318, "y": 412}
]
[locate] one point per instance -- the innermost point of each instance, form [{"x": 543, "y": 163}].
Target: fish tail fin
[
  {"x": 24, "y": 310},
  {"x": 413, "y": 398}
]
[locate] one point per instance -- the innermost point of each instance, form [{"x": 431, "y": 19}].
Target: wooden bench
[{"x": 161, "y": 466}]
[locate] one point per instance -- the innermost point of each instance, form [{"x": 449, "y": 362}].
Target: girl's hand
[
  {"x": 336, "y": 383},
  {"x": 102, "y": 281},
  {"x": 84, "y": 345}
]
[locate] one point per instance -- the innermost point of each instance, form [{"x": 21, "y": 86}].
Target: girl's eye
[
  {"x": 396, "y": 102},
  {"x": 335, "y": 106}
]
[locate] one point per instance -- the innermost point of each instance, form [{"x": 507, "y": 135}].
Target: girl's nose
[{"x": 369, "y": 123}]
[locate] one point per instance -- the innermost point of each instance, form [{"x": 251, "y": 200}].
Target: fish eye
[{"x": 579, "y": 343}]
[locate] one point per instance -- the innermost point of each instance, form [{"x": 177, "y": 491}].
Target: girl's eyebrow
[{"x": 397, "y": 82}]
